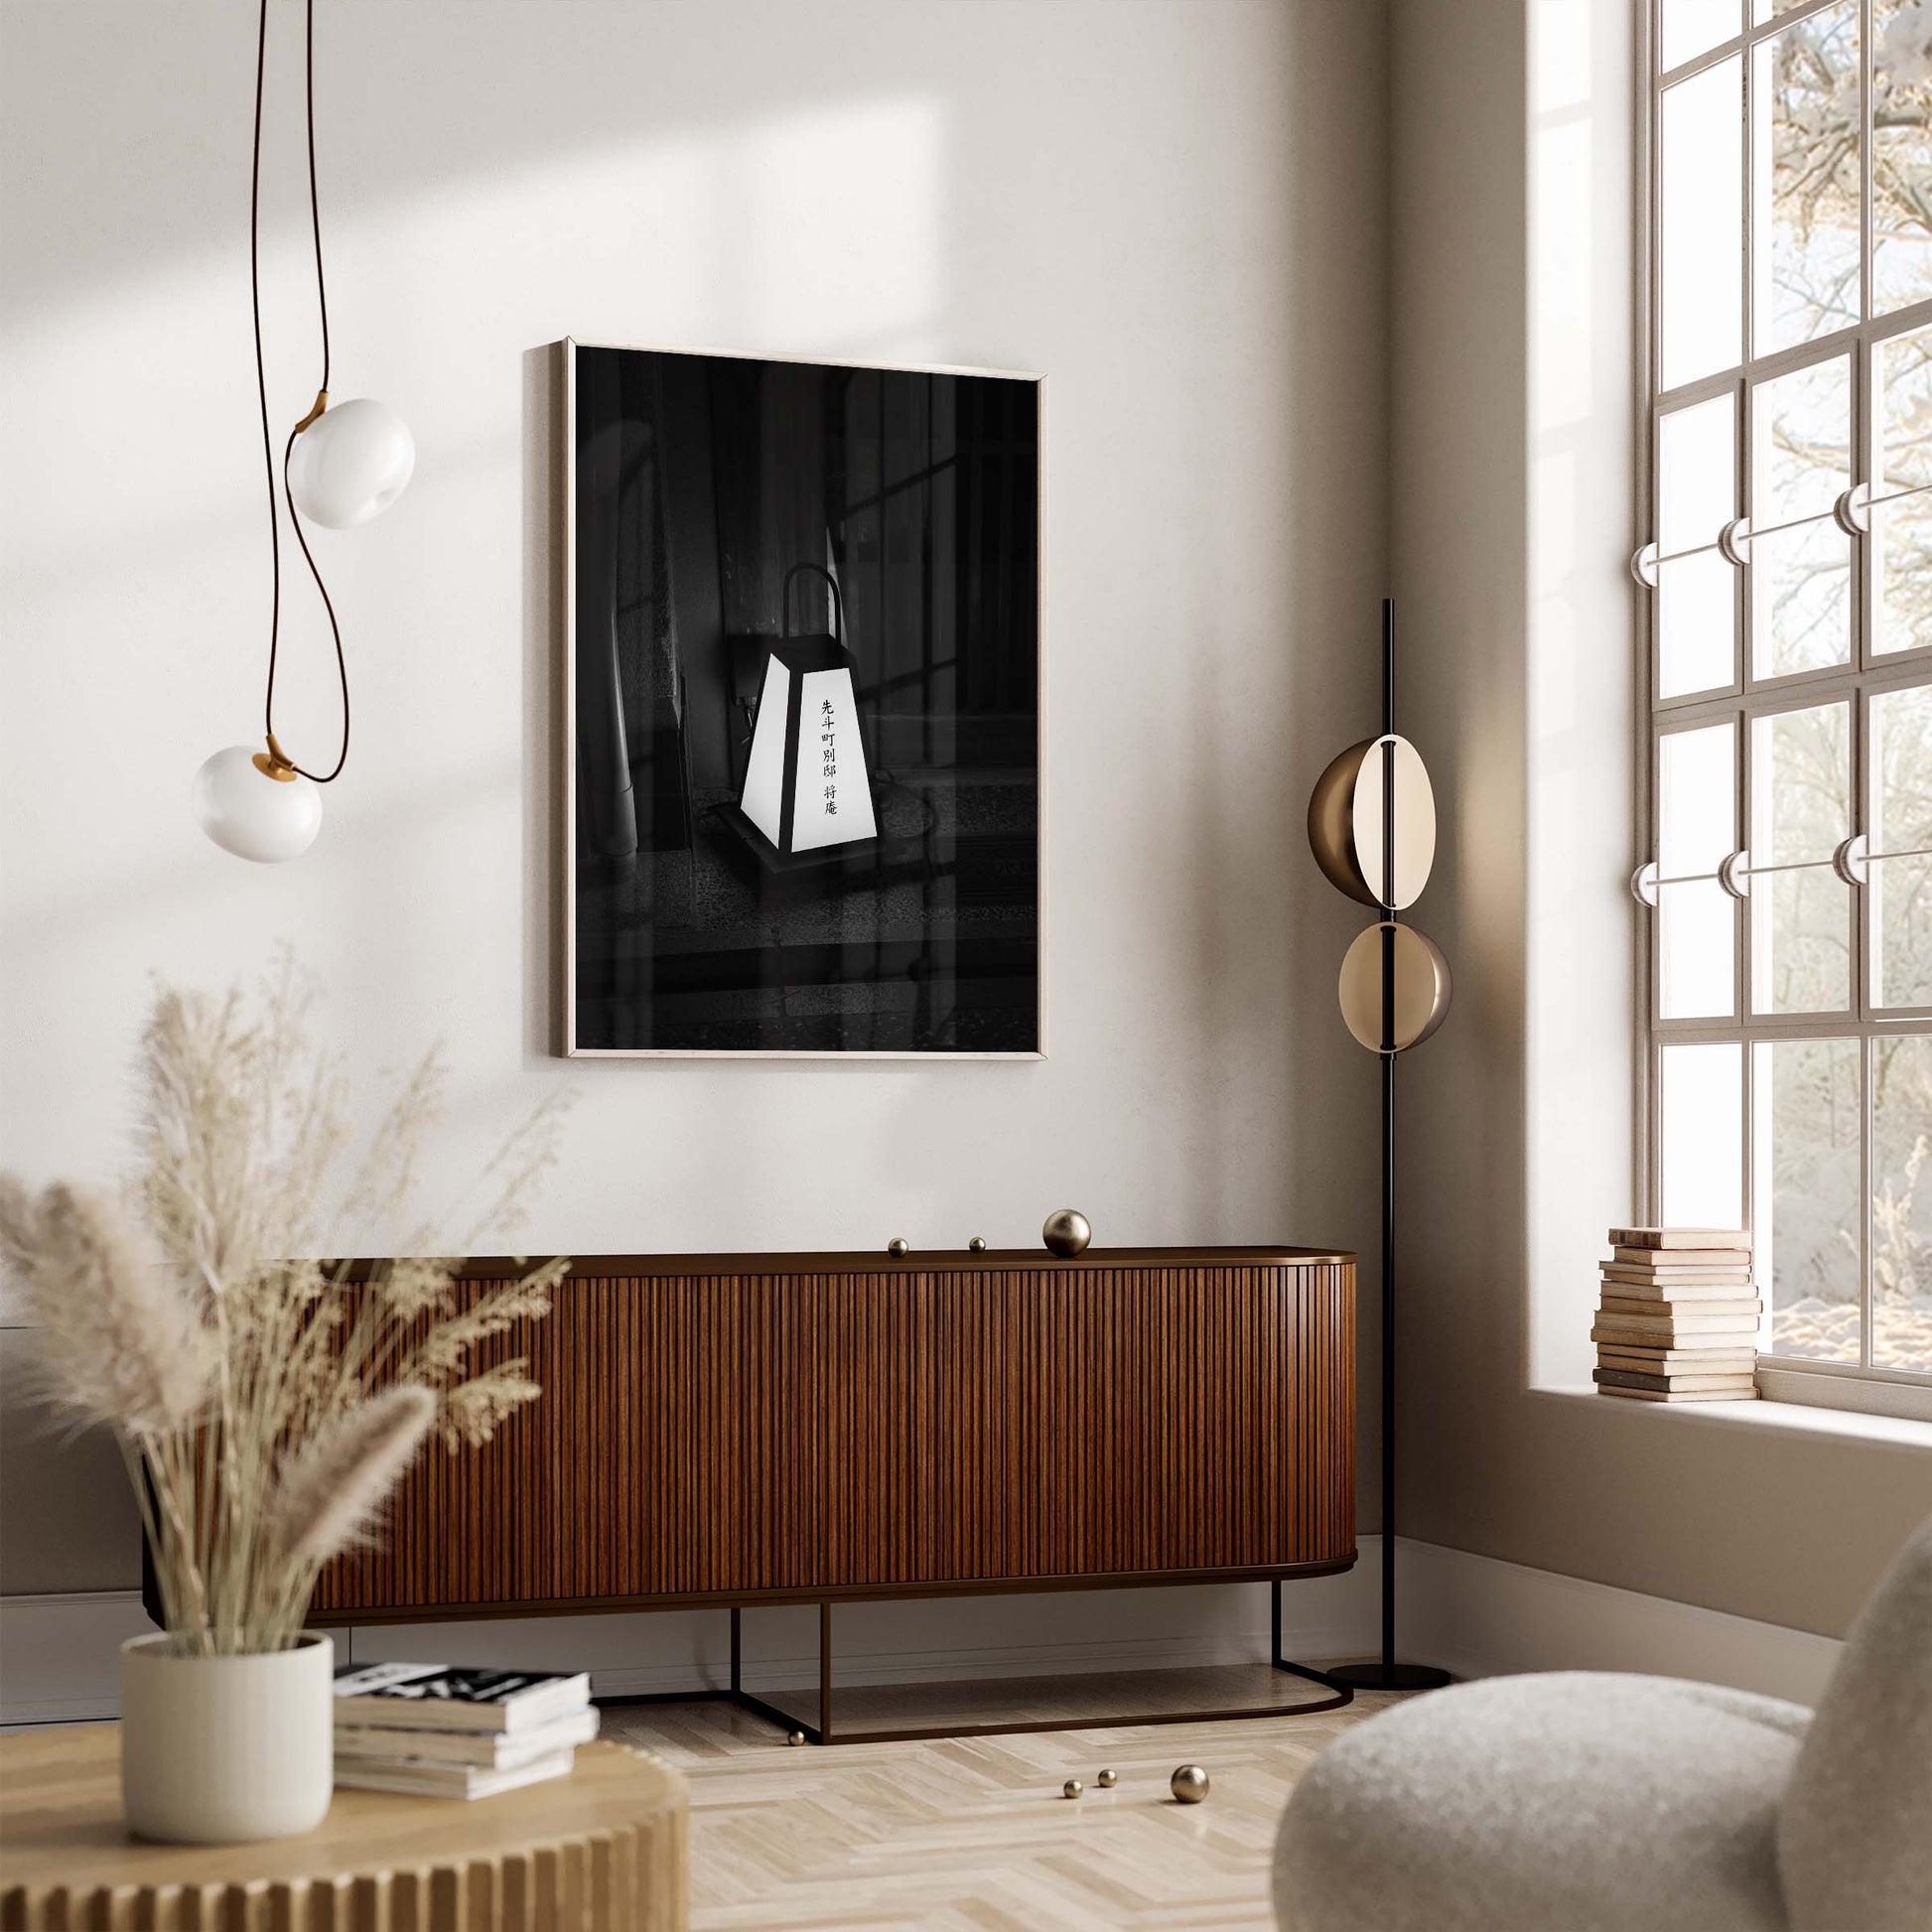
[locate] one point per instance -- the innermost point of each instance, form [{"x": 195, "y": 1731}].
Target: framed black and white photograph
[{"x": 802, "y": 702}]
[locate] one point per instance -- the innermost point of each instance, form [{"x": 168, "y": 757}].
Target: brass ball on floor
[
  {"x": 794, "y": 1737},
  {"x": 1188, "y": 1784},
  {"x": 1066, "y": 1231},
  {"x": 898, "y": 1246},
  {"x": 1107, "y": 1780},
  {"x": 1071, "y": 1788}
]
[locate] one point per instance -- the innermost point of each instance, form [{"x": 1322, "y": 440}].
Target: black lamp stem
[
  {"x": 1388, "y": 1363},
  {"x": 1388, "y": 1141},
  {"x": 1388, "y": 1675},
  {"x": 1388, "y": 688}
]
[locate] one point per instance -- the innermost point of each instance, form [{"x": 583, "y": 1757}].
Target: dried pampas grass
[
  {"x": 120, "y": 1343},
  {"x": 331, "y": 1491},
  {"x": 267, "y": 1403},
  {"x": 472, "y": 1411}
]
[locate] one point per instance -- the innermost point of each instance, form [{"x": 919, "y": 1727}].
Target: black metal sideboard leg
[
  {"x": 824, "y": 1674},
  {"x": 789, "y": 1722},
  {"x": 1343, "y": 1693},
  {"x": 735, "y": 1692}
]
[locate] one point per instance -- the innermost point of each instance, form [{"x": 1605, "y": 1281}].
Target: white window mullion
[{"x": 1866, "y": 148}]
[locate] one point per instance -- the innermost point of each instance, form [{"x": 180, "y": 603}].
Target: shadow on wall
[{"x": 69, "y": 1520}]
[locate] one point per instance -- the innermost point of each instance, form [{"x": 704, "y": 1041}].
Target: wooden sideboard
[
  {"x": 745, "y": 1430},
  {"x": 736, "y": 1428}
]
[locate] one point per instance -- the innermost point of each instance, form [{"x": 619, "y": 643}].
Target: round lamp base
[{"x": 1395, "y": 1677}]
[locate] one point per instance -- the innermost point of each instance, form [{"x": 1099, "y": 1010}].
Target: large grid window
[{"x": 1789, "y": 735}]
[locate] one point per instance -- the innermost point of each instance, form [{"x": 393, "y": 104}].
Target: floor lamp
[{"x": 1372, "y": 828}]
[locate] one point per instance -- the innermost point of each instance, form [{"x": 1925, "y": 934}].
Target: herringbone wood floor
[{"x": 972, "y": 1834}]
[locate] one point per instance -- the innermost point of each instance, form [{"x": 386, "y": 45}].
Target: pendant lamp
[
  {"x": 1372, "y": 829},
  {"x": 351, "y": 464},
  {"x": 342, "y": 466}
]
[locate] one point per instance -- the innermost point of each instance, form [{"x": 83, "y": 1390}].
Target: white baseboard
[
  {"x": 60, "y": 1655},
  {"x": 1481, "y": 1618},
  {"x": 1475, "y": 1615}
]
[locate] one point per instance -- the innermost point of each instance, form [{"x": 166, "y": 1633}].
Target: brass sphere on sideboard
[
  {"x": 899, "y": 1247},
  {"x": 1188, "y": 1784},
  {"x": 977, "y": 1245},
  {"x": 1067, "y": 1232}
]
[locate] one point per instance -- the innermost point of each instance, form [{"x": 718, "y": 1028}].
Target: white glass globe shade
[
  {"x": 252, "y": 815},
  {"x": 351, "y": 464}
]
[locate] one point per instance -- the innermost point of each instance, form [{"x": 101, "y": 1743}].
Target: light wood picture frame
[{"x": 803, "y": 672}]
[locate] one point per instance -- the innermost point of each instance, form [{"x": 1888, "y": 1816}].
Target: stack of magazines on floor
[
  {"x": 439, "y": 1732},
  {"x": 1677, "y": 1318}
]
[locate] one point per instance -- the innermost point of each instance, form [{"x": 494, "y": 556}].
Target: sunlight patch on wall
[{"x": 1581, "y": 669}]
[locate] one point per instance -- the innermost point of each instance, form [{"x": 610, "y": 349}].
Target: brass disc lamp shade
[
  {"x": 1348, "y": 819},
  {"x": 1372, "y": 830},
  {"x": 1422, "y": 988}
]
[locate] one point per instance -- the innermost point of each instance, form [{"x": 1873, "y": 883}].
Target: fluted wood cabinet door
[{"x": 738, "y": 1429}]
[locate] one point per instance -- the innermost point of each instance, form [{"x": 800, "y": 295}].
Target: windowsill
[{"x": 1793, "y": 1418}]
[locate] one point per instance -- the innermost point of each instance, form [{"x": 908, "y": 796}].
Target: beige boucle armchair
[{"x": 1591, "y": 1802}]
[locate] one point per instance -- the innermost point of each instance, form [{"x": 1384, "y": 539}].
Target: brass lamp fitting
[{"x": 276, "y": 763}]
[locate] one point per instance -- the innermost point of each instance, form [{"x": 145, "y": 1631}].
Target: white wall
[{"x": 1174, "y": 208}]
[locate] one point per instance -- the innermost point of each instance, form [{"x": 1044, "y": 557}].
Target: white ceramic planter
[{"x": 216, "y": 1751}]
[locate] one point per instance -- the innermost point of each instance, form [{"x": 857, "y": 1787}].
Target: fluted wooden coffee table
[{"x": 601, "y": 1850}]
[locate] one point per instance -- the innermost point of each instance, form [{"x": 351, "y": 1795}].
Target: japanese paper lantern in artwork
[{"x": 807, "y": 782}]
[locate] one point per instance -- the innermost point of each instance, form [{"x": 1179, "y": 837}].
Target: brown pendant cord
[{"x": 261, "y": 389}]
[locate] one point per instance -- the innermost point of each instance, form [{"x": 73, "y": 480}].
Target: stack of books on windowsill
[
  {"x": 1677, "y": 1318},
  {"x": 438, "y": 1733}
]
